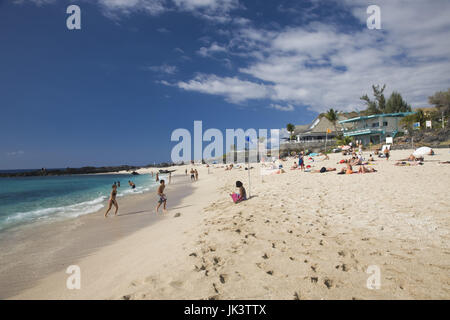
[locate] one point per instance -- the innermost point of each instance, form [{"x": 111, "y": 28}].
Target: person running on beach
[
  {"x": 192, "y": 174},
  {"x": 162, "y": 196},
  {"x": 196, "y": 174},
  {"x": 112, "y": 200}
]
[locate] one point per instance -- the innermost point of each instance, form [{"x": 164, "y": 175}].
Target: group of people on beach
[
  {"x": 194, "y": 174},
  {"x": 113, "y": 195}
]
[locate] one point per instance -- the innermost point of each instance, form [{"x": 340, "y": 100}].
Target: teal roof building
[{"x": 374, "y": 128}]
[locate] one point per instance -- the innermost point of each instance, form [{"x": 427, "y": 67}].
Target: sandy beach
[{"x": 299, "y": 236}]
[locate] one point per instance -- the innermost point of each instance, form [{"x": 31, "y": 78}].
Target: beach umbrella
[{"x": 423, "y": 151}]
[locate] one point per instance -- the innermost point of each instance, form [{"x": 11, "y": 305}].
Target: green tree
[
  {"x": 343, "y": 141},
  {"x": 379, "y": 104},
  {"x": 290, "y": 128},
  {"x": 396, "y": 104},
  {"x": 332, "y": 116},
  {"x": 441, "y": 100},
  {"x": 408, "y": 121}
]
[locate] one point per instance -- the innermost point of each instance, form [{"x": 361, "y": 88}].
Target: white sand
[{"x": 301, "y": 235}]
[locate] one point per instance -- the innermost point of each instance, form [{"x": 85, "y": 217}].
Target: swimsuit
[{"x": 162, "y": 199}]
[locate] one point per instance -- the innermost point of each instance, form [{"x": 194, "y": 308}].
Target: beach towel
[{"x": 236, "y": 197}]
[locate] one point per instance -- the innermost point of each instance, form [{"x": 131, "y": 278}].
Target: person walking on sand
[
  {"x": 170, "y": 177},
  {"x": 185, "y": 171},
  {"x": 196, "y": 174},
  {"x": 112, "y": 200},
  {"x": 301, "y": 161},
  {"x": 386, "y": 153},
  {"x": 192, "y": 174},
  {"x": 157, "y": 177},
  {"x": 162, "y": 196}
]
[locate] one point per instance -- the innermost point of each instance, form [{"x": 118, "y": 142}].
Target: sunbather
[
  {"x": 412, "y": 158},
  {"x": 407, "y": 164},
  {"x": 323, "y": 170},
  {"x": 242, "y": 195},
  {"x": 363, "y": 169},
  {"x": 347, "y": 170}
]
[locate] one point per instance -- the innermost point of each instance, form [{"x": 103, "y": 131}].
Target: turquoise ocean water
[{"x": 30, "y": 199}]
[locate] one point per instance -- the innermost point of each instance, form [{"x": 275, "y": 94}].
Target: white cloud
[
  {"x": 113, "y": 8},
  {"x": 320, "y": 66},
  {"x": 162, "y": 69},
  {"x": 214, "y": 10},
  {"x": 233, "y": 89},
  {"x": 288, "y": 107},
  {"x": 213, "y": 48}
]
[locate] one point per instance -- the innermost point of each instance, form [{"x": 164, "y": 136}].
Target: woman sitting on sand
[
  {"x": 242, "y": 195},
  {"x": 294, "y": 166},
  {"x": 112, "y": 200}
]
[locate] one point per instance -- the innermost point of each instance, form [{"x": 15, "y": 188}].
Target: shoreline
[
  {"x": 300, "y": 236},
  {"x": 39, "y": 249}
]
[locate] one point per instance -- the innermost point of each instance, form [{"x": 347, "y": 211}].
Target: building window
[
  {"x": 385, "y": 124},
  {"x": 375, "y": 125}
]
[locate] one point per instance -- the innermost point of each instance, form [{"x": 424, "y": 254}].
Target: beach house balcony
[{"x": 374, "y": 128}]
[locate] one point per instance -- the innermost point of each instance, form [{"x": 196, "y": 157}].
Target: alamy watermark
[
  {"x": 250, "y": 145},
  {"x": 74, "y": 280},
  {"x": 374, "y": 280},
  {"x": 374, "y": 20},
  {"x": 73, "y": 22}
]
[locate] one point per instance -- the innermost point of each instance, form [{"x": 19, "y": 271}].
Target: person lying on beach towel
[
  {"x": 347, "y": 170},
  {"x": 412, "y": 158},
  {"x": 363, "y": 169},
  {"x": 444, "y": 162},
  {"x": 323, "y": 170},
  {"x": 241, "y": 196},
  {"x": 407, "y": 164}
]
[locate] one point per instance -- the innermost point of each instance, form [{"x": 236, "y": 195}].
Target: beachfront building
[
  {"x": 318, "y": 131},
  {"x": 374, "y": 128}
]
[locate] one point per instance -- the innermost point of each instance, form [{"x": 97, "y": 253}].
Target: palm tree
[
  {"x": 332, "y": 116},
  {"x": 290, "y": 128}
]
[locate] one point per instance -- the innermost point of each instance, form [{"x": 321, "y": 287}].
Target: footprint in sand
[
  {"x": 328, "y": 283},
  {"x": 223, "y": 278}
]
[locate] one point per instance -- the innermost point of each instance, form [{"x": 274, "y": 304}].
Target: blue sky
[{"x": 112, "y": 92}]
